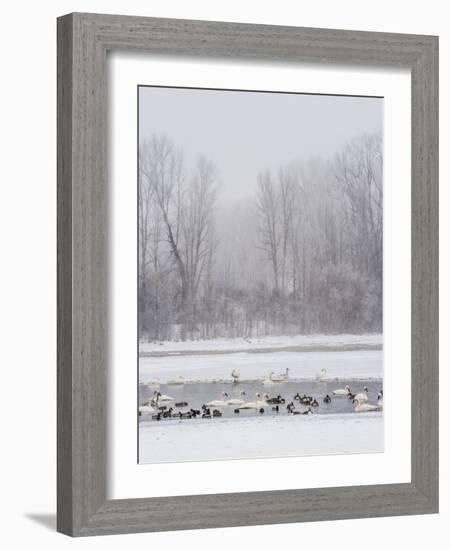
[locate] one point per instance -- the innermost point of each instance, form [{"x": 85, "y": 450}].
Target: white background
[
  {"x": 130, "y": 480},
  {"x": 28, "y": 251}
]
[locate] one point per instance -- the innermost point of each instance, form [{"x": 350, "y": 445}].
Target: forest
[{"x": 301, "y": 254}]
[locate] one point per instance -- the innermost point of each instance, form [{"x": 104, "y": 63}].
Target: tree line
[{"x": 303, "y": 255}]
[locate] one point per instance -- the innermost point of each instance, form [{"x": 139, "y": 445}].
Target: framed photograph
[
  {"x": 244, "y": 258},
  {"x": 247, "y": 274}
]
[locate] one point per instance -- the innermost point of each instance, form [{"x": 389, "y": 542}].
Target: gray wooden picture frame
[{"x": 83, "y": 41}]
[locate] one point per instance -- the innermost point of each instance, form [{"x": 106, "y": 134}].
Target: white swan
[
  {"x": 267, "y": 381},
  {"x": 146, "y": 408},
  {"x": 362, "y": 396},
  {"x": 380, "y": 401},
  {"x": 258, "y": 403},
  {"x": 237, "y": 400},
  {"x": 218, "y": 402},
  {"x": 235, "y": 375},
  {"x": 178, "y": 380},
  {"x": 364, "y": 407},
  {"x": 161, "y": 397},
  {"x": 275, "y": 377},
  {"x": 344, "y": 391},
  {"x": 261, "y": 403},
  {"x": 321, "y": 375}
]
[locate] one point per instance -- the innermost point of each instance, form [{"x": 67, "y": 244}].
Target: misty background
[{"x": 259, "y": 214}]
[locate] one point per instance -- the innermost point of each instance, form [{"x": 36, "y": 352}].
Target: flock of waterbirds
[{"x": 160, "y": 405}]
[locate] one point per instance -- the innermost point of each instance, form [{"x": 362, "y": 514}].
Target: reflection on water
[{"x": 196, "y": 394}]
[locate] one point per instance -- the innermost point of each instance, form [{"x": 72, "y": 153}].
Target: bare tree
[
  {"x": 358, "y": 174},
  {"x": 179, "y": 212},
  {"x": 197, "y": 241},
  {"x": 144, "y": 208},
  {"x": 268, "y": 205},
  {"x": 304, "y": 254},
  {"x": 162, "y": 167},
  {"x": 156, "y": 167}
]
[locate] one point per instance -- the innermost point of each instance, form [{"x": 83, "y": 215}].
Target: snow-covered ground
[
  {"x": 222, "y": 439},
  {"x": 364, "y": 364},
  {"x": 305, "y": 342},
  {"x": 258, "y": 436}
]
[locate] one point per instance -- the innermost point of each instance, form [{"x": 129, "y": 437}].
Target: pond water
[{"x": 198, "y": 393}]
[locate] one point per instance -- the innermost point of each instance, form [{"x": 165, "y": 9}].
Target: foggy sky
[{"x": 244, "y": 133}]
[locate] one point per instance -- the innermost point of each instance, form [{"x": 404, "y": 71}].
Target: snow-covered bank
[
  {"x": 303, "y": 342},
  {"x": 221, "y": 439},
  {"x": 344, "y": 364}
]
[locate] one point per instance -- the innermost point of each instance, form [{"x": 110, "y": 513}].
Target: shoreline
[
  {"x": 326, "y": 364},
  {"x": 274, "y": 384},
  {"x": 300, "y": 348}
]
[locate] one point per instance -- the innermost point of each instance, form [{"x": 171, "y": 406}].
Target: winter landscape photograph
[{"x": 260, "y": 274}]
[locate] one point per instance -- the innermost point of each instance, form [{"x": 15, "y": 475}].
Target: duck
[
  {"x": 276, "y": 408},
  {"x": 308, "y": 411},
  {"x": 181, "y": 415},
  {"x": 156, "y": 416},
  {"x": 235, "y": 375},
  {"x": 291, "y": 407},
  {"x": 237, "y": 400},
  {"x": 147, "y": 408},
  {"x": 278, "y": 400},
  {"x": 314, "y": 403},
  {"x": 217, "y": 413},
  {"x": 364, "y": 407},
  {"x": 362, "y": 396},
  {"x": 236, "y": 411},
  {"x": 182, "y": 404},
  {"x": 218, "y": 402},
  {"x": 261, "y": 410},
  {"x": 177, "y": 381},
  {"x": 344, "y": 391},
  {"x": 327, "y": 399},
  {"x": 306, "y": 399}
]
